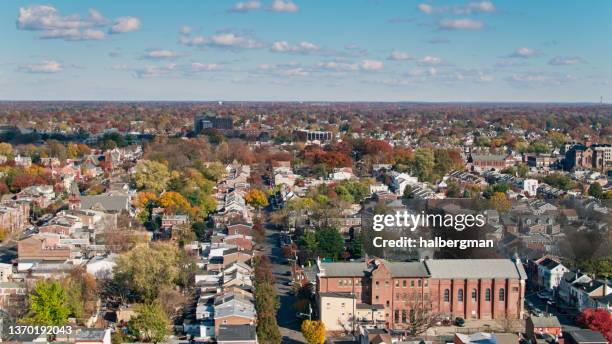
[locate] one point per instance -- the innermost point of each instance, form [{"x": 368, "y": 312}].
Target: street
[
  {"x": 288, "y": 323},
  {"x": 566, "y": 320}
]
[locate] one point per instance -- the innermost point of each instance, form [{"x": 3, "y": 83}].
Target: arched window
[
  {"x": 460, "y": 295},
  {"x": 446, "y": 295},
  {"x": 474, "y": 295},
  {"x": 502, "y": 294},
  {"x": 488, "y": 295}
]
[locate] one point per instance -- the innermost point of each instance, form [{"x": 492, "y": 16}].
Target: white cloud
[
  {"x": 158, "y": 54},
  {"x": 54, "y": 26},
  {"x": 480, "y": 6},
  {"x": 74, "y": 34},
  {"x": 47, "y": 66},
  {"x": 233, "y": 40},
  {"x": 566, "y": 60},
  {"x": 472, "y": 7},
  {"x": 339, "y": 66},
  {"x": 399, "y": 56},
  {"x": 246, "y": 6},
  {"x": 525, "y": 53},
  {"x": 283, "y": 6},
  {"x": 425, "y": 8},
  {"x": 193, "y": 41},
  {"x": 204, "y": 67},
  {"x": 482, "y": 77},
  {"x": 430, "y": 60},
  {"x": 300, "y": 48},
  {"x": 125, "y": 24},
  {"x": 420, "y": 73},
  {"x": 371, "y": 65},
  {"x": 460, "y": 24},
  {"x": 185, "y": 30}
]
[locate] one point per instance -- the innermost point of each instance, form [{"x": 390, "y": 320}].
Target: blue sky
[{"x": 355, "y": 50}]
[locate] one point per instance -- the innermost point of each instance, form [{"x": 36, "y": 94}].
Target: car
[
  {"x": 544, "y": 295},
  {"x": 537, "y": 312},
  {"x": 289, "y": 283},
  {"x": 459, "y": 321}
]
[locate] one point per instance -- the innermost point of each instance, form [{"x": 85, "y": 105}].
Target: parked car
[
  {"x": 459, "y": 321},
  {"x": 544, "y": 295}
]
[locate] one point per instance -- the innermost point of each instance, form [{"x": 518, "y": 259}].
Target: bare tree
[{"x": 417, "y": 315}]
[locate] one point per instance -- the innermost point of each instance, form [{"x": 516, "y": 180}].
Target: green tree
[
  {"x": 313, "y": 331},
  {"x": 151, "y": 325},
  {"x": 331, "y": 243},
  {"x": 48, "y": 305},
  {"x": 596, "y": 190},
  {"x": 308, "y": 241},
  {"x": 152, "y": 176},
  {"x": 424, "y": 162}
]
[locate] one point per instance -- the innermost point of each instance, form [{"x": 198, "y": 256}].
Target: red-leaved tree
[{"x": 598, "y": 320}]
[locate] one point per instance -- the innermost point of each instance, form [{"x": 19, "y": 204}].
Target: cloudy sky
[{"x": 358, "y": 50}]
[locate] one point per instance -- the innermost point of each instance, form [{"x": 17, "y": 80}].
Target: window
[
  {"x": 376, "y": 297},
  {"x": 404, "y": 284},
  {"x": 419, "y": 282},
  {"x": 342, "y": 304},
  {"x": 446, "y": 295},
  {"x": 386, "y": 284},
  {"x": 387, "y": 303},
  {"x": 377, "y": 284},
  {"x": 426, "y": 283},
  {"x": 341, "y": 283},
  {"x": 396, "y": 315},
  {"x": 224, "y": 322},
  {"x": 502, "y": 294},
  {"x": 404, "y": 316},
  {"x": 412, "y": 284},
  {"x": 460, "y": 295},
  {"x": 396, "y": 283},
  {"x": 474, "y": 295},
  {"x": 397, "y": 296},
  {"x": 488, "y": 295}
]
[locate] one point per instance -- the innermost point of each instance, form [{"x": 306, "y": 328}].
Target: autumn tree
[
  {"x": 152, "y": 176},
  {"x": 598, "y": 320},
  {"x": 256, "y": 198},
  {"x": 500, "y": 202},
  {"x": 313, "y": 331},
  {"x": 146, "y": 269}
]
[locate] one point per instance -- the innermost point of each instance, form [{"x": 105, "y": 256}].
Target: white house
[{"x": 550, "y": 274}]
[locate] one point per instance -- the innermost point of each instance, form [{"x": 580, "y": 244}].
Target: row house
[
  {"x": 583, "y": 291},
  {"x": 41, "y": 195}
]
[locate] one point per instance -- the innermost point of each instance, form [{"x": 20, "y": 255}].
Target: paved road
[
  {"x": 566, "y": 320},
  {"x": 288, "y": 323}
]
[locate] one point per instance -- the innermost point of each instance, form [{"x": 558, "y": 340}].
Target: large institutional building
[{"x": 383, "y": 291}]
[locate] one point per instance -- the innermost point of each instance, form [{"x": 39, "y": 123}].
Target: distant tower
[{"x": 74, "y": 200}]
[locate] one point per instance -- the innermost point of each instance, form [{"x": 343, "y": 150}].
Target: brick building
[
  {"x": 14, "y": 216},
  {"x": 468, "y": 288}
]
